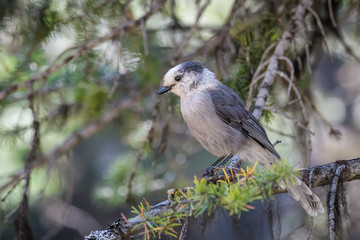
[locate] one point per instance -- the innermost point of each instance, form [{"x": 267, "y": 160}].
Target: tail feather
[{"x": 306, "y": 198}]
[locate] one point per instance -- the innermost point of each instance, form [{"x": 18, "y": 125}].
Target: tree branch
[
  {"x": 322, "y": 175},
  {"x": 216, "y": 41},
  {"x": 82, "y": 48},
  {"x": 281, "y": 48},
  {"x": 74, "y": 139}
]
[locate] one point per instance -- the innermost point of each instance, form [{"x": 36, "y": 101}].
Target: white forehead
[
  {"x": 172, "y": 72},
  {"x": 186, "y": 68}
]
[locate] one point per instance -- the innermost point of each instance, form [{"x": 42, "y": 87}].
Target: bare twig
[
  {"x": 255, "y": 77},
  {"x": 148, "y": 139},
  {"x": 254, "y": 81},
  {"x": 22, "y": 223},
  {"x": 304, "y": 114},
  {"x": 133, "y": 170},
  {"x": 307, "y": 51},
  {"x": 281, "y": 48},
  {"x": 279, "y": 132},
  {"x": 297, "y": 93},
  {"x": 290, "y": 118},
  {"x": 218, "y": 38},
  {"x": 302, "y": 30},
  {"x": 333, "y": 131},
  {"x": 266, "y": 52},
  {"x": 291, "y": 66},
  {"x": 276, "y": 143},
  {"x": 164, "y": 134},
  {"x": 348, "y": 48},
  {"x": 15, "y": 184},
  {"x": 115, "y": 85},
  {"x": 318, "y": 22},
  {"x": 185, "y": 42}
]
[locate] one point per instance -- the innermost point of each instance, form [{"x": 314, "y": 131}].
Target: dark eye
[{"x": 178, "y": 78}]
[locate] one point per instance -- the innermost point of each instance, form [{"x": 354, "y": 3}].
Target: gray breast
[{"x": 214, "y": 135}]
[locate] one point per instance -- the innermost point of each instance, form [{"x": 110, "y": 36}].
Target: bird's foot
[
  {"x": 227, "y": 173},
  {"x": 211, "y": 172},
  {"x": 222, "y": 160}
]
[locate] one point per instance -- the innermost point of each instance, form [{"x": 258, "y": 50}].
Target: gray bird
[{"x": 217, "y": 118}]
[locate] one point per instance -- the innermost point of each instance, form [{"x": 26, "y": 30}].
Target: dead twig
[
  {"x": 291, "y": 66},
  {"x": 255, "y": 77},
  {"x": 279, "y": 132},
  {"x": 348, "y": 48},
  {"x": 22, "y": 223},
  {"x": 304, "y": 114},
  {"x": 148, "y": 139},
  {"x": 185, "y": 42},
  {"x": 217, "y": 40},
  {"x": 281, "y": 48},
  {"x": 318, "y": 22},
  {"x": 333, "y": 131},
  {"x": 254, "y": 81},
  {"x": 299, "y": 124},
  {"x": 164, "y": 134}
]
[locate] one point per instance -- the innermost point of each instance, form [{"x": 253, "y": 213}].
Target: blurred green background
[{"x": 86, "y": 188}]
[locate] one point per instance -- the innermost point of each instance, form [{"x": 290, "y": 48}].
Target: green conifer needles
[{"x": 234, "y": 191}]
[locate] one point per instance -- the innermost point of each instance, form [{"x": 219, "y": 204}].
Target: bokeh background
[{"x": 87, "y": 186}]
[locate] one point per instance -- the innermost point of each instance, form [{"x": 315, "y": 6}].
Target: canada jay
[{"x": 217, "y": 118}]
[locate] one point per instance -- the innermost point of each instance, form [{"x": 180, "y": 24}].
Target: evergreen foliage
[{"x": 235, "y": 195}]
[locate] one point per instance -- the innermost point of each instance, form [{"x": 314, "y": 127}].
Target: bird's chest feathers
[
  {"x": 195, "y": 108},
  {"x": 199, "y": 115}
]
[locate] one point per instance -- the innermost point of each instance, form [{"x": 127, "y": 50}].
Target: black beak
[{"x": 165, "y": 89}]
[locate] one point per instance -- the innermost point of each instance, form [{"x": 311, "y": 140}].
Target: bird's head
[{"x": 186, "y": 77}]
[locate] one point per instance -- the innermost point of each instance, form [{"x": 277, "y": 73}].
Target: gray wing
[{"x": 230, "y": 108}]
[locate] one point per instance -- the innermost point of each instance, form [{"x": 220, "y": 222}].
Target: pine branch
[
  {"x": 321, "y": 175},
  {"x": 81, "y": 49}
]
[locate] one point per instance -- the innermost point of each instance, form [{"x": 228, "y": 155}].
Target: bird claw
[{"x": 210, "y": 172}]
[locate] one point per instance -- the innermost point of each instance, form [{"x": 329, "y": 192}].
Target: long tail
[{"x": 307, "y": 199}]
